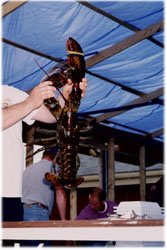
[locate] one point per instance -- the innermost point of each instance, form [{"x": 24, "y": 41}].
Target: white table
[{"x": 117, "y": 230}]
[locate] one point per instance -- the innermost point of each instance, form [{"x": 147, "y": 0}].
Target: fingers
[
  {"x": 83, "y": 86},
  {"x": 41, "y": 92},
  {"x": 68, "y": 87},
  {"x": 46, "y": 90},
  {"x": 69, "y": 82},
  {"x": 46, "y": 83}
]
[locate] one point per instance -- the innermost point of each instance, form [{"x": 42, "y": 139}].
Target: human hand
[
  {"x": 83, "y": 86},
  {"x": 41, "y": 92},
  {"x": 68, "y": 88}
]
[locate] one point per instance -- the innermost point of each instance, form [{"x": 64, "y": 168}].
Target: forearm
[
  {"x": 61, "y": 201},
  {"x": 15, "y": 113}
]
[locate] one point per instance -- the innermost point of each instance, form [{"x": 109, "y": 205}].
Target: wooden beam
[
  {"x": 126, "y": 88},
  {"x": 124, "y": 107},
  {"x": 118, "y": 20},
  {"x": 148, "y": 97},
  {"x": 10, "y": 6},
  {"x": 142, "y": 171},
  {"x": 128, "y": 42},
  {"x": 156, "y": 133},
  {"x": 36, "y": 52}
]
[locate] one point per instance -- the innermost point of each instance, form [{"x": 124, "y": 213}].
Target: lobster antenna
[
  {"x": 48, "y": 76},
  {"x": 41, "y": 67}
]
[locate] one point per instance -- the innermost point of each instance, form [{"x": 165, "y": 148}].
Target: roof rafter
[
  {"x": 20, "y": 46},
  {"x": 123, "y": 108},
  {"x": 130, "y": 128},
  {"x": 117, "y": 20},
  {"x": 126, "y": 43},
  {"x": 96, "y": 58},
  {"x": 156, "y": 133},
  {"x": 10, "y": 6},
  {"x": 126, "y": 88},
  {"x": 148, "y": 97},
  {"x": 146, "y": 134}
]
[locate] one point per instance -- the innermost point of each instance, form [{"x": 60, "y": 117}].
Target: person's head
[
  {"x": 97, "y": 197},
  {"x": 50, "y": 153}
]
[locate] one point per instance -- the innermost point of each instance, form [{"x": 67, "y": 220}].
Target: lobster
[{"x": 67, "y": 157}]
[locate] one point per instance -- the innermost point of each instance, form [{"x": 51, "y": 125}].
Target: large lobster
[{"x": 67, "y": 127}]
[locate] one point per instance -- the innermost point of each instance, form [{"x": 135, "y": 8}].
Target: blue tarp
[{"x": 44, "y": 26}]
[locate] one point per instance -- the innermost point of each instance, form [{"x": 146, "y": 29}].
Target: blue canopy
[{"x": 123, "y": 42}]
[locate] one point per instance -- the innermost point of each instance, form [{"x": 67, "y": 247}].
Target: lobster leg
[{"x": 54, "y": 179}]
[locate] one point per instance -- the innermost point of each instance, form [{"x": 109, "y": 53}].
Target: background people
[
  {"x": 97, "y": 208},
  {"x": 38, "y": 193}
]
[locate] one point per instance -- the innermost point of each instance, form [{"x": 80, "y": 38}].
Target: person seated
[{"x": 97, "y": 208}]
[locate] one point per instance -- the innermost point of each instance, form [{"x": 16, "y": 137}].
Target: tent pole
[
  {"x": 142, "y": 173},
  {"x": 73, "y": 203},
  {"x": 111, "y": 170}
]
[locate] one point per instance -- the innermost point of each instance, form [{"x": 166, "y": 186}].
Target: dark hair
[
  {"x": 50, "y": 152},
  {"x": 100, "y": 193}
]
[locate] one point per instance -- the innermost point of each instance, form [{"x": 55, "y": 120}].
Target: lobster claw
[
  {"x": 53, "y": 178},
  {"x": 56, "y": 181},
  {"x": 75, "y": 59}
]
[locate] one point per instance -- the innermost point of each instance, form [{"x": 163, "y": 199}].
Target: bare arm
[
  {"x": 44, "y": 90},
  {"x": 14, "y": 114},
  {"x": 19, "y": 111},
  {"x": 61, "y": 201}
]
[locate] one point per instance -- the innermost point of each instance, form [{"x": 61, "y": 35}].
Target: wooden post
[
  {"x": 100, "y": 170},
  {"x": 111, "y": 170},
  {"x": 142, "y": 173},
  {"x": 73, "y": 203},
  {"x": 104, "y": 170}
]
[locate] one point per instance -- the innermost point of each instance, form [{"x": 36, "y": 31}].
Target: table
[{"x": 117, "y": 230}]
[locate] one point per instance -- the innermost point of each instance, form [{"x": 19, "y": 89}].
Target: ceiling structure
[{"x": 123, "y": 42}]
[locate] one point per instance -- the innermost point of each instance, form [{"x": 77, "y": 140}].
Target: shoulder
[
  {"x": 12, "y": 95},
  {"x": 84, "y": 213},
  {"x": 11, "y": 89},
  {"x": 112, "y": 203},
  {"x": 110, "y": 206},
  {"x": 86, "y": 208}
]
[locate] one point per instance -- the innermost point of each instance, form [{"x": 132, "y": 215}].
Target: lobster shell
[{"x": 67, "y": 126}]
